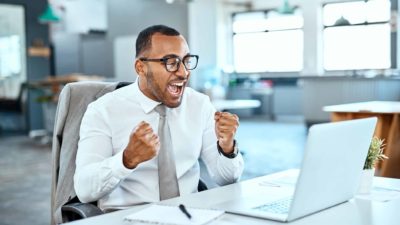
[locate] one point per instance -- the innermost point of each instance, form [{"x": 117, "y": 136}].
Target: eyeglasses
[{"x": 172, "y": 63}]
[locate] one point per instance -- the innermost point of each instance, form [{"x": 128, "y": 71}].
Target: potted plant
[{"x": 375, "y": 154}]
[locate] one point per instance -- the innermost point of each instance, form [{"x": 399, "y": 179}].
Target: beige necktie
[{"x": 168, "y": 182}]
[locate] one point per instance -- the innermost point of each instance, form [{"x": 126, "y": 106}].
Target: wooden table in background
[
  {"x": 388, "y": 128},
  {"x": 56, "y": 83}
]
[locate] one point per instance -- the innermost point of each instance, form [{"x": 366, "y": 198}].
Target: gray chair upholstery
[{"x": 72, "y": 104}]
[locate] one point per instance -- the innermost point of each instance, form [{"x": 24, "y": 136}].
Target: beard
[
  {"x": 153, "y": 86},
  {"x": 158, "y": 94}
]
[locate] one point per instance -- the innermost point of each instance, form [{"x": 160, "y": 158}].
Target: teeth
[{"x": 178, "y": 84}]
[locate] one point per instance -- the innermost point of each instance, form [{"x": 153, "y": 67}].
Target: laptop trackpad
[{"x": 251, "y": 206}]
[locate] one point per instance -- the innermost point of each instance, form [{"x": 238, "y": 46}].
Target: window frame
[
  {"x": 393, "y": 39},
  {"x": 266, "y": 73}
]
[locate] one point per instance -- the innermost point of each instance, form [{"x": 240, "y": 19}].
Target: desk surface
[
  {"x": 366, "y": 107},
  {"x": 355, "y": 212}
]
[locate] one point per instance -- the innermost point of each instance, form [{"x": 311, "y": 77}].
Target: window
[
  {"x": 357, "y": 35},
  {"x": 10, "y": 55},
  {"x": 267, "y": 41},
  {"x": 12, "y": 49}
]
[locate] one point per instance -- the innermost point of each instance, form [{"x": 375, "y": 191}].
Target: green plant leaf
[{"x": 375, "y": 153}]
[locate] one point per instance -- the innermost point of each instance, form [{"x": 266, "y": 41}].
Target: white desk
[
  {"x": 222, "y": 105},
  {"x": 355, "y": 212}
]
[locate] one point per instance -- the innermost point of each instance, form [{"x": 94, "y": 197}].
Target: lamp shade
[
  {"x": 286, "y": 8},
  {"x": 342, "y": 22},
  {"x": 48, "y": 16}
]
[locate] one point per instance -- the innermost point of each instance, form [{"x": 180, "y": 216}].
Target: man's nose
[{"x": 182, "y": 71}]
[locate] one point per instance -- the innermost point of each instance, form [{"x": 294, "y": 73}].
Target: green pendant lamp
[
  {"x": 48, "y": 16},
  {"x": 342, "y": 22},
  {"x": 286, "y": 8}
]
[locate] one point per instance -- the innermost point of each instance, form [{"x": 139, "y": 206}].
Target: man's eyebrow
[
  {"x": 170, "y": 55},
  {"x": 173, "y": 55}
]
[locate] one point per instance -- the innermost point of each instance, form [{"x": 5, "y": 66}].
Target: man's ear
[{"x": 140, "y": 67}]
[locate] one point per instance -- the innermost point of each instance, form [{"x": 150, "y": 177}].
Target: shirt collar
[{"x": 145, "y": 102}]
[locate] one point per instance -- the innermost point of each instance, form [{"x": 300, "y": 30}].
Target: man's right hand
[{"x": 143, "y": 145}]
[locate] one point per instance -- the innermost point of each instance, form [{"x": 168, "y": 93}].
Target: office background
[{"x": 96, "y": 38}]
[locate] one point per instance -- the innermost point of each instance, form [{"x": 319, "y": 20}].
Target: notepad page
[{"x": 172, "y": 215}]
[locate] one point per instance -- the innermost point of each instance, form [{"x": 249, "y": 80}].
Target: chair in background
[
  {"x": 14, "y": 110},
  {"x": 72, "y": 104}
]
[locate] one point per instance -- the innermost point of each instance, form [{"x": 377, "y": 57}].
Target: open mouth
[{"x": 176, "y": 89}]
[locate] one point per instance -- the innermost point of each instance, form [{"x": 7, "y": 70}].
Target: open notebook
[{"x": 172, "y": 215}]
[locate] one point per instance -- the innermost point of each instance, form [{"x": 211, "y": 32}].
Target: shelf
[{"x": 39, "y": 52}]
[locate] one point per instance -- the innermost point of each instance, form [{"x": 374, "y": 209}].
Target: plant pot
[{"x": 366, "y": 181}]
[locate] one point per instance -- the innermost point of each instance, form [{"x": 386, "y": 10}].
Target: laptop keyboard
[{"x": 280, "y": 206}]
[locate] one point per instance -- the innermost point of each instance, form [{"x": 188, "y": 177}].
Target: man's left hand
[{"x": 226, "y": 125}]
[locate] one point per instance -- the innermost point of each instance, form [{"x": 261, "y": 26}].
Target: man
[{"x": 120, "y": 146}]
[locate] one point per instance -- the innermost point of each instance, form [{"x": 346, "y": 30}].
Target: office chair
[
  {"x": 16, "y": 107},
  {"x": 72, "y": 104}
]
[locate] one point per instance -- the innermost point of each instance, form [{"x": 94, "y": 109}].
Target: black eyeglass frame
[{"x": 165, "y": 58}]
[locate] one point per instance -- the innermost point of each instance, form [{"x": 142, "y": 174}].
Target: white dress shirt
[{"x": 104, "y": 134}]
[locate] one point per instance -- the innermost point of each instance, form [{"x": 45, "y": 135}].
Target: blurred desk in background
[
  {"x": 388, "y": 128},
  {"x": 56, "y": 83},
  {"x": 226, "y": 105},
  {"x": 50, "y": 89},
  {"x": 264, "y": 95}
]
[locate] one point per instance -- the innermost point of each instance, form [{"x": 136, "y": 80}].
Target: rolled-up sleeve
[{"x": 98, "y": 172}]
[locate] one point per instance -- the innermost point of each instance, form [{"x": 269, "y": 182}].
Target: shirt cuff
[
  {"x": 119, "y": 170},
  {"x": 235, "y": 162},
  {"x": 232, "y": 168}
]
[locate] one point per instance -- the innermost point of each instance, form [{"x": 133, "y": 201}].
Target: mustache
[{"x": 179, "y": 79}]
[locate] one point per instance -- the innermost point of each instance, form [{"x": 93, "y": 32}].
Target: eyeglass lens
[{"x": 172, "y": 63}]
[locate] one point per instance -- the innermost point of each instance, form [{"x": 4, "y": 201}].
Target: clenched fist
[
  {"x": 143, "y": 145},
  {"x": 226, "y": 125}
]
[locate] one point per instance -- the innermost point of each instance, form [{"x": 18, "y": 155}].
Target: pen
[{"x": 183, "y": 209}]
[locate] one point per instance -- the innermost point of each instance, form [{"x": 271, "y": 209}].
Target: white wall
[
  {"x": 210, "y": 38},
  {"x": 129, "y": 17},
  {"x": 124, "y": 53},
  {"x": 82, "y": 16},
  {"x": 202, "y": 21},
  {"x": 95, "y": 52}
]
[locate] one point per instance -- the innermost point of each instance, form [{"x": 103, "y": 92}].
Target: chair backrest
[{"x": 72, "y": 104}]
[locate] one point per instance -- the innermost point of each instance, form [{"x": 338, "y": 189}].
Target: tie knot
[{"x": 161, "y": 109}]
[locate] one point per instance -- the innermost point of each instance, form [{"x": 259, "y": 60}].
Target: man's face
[{"x": 155, "y": 81}]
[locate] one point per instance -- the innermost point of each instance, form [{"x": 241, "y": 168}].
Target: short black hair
[{"x": 143, "y": 42}]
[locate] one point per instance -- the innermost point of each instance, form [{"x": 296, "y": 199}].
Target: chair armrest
[{"x": 76, "y": 211}]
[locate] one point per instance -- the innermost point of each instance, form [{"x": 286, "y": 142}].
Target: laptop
[{"x": 329, "y": 175}]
